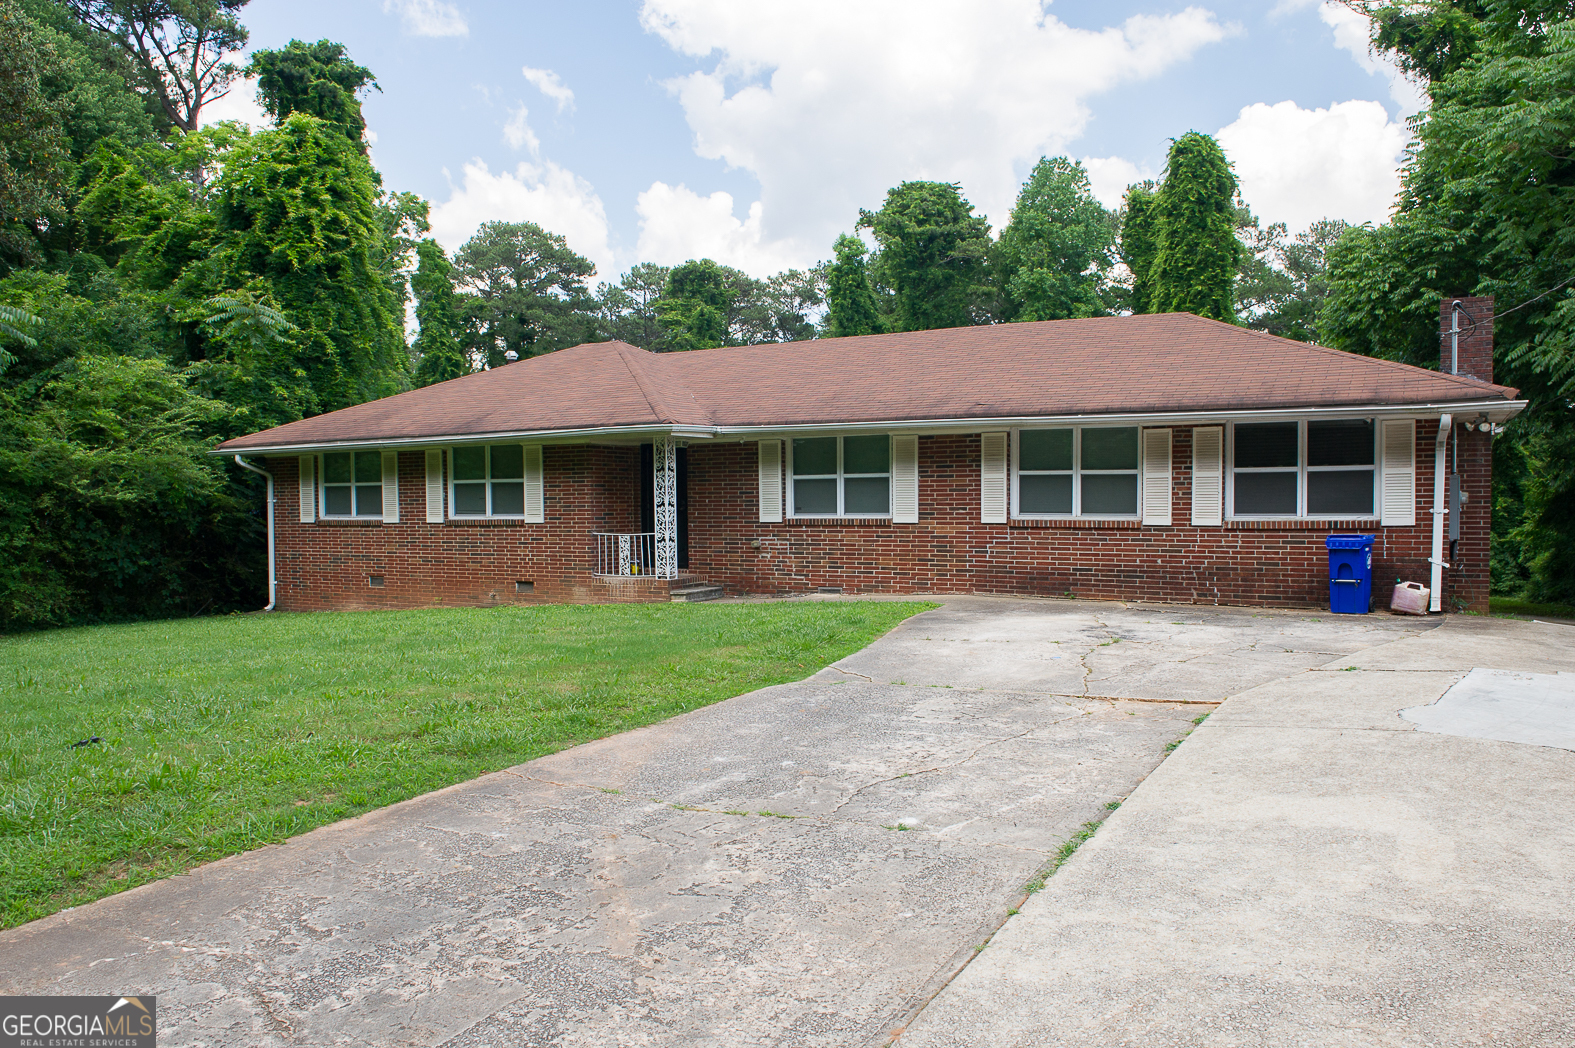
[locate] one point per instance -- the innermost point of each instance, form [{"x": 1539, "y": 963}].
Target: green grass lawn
[
  {"x": 223, "y": 734},
  {"x": 1510, "y": 606}
]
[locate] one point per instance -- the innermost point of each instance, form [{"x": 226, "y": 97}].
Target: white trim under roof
[{"x": 1496, "y": 410}]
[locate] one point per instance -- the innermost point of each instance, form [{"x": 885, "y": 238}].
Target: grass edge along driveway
[{"x": 219, "y": 735}]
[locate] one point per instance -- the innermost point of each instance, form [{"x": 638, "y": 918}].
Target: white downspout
[
  {"x": 1435, "y": 601},
  {"x": 273, "y": 582}
]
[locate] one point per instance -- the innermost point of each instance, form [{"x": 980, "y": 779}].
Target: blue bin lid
[{"x": 1349, "y": 542}]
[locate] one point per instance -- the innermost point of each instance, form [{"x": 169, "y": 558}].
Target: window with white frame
[
  {"x": 352, "y": 484},
  {"x": 840, "y": 476},
  {"x": 1077, "y": 471},
  {"x": 1304, "y": 469},
  {"x": 487, "y": 481}
]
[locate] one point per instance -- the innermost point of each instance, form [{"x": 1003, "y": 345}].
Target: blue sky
[{"x": 752, "y": 132}]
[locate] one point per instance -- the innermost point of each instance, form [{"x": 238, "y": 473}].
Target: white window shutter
[
  {"x": 535, "y": 497},
  {"x": 905, "y": 479},
  {"x": 770, "y": 482},
  {"x": 390, "y": 487},
  {"x": 992, "y": 478},
  {"x": 1399, "y": 473},
  {"x": 308, "y": 487},
  {"x": 434, "y": 486},
  {"x": 1156, "y": 476},
  {"x": 1208, "y": 476}
]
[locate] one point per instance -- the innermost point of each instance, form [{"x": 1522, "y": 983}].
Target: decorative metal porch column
[{"x": 666, "y": 489}]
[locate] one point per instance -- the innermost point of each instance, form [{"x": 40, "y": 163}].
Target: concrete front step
[{"x": 702, "y": 591}]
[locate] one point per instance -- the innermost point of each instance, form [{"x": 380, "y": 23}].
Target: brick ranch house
[{"x": 1161, "y": 458}]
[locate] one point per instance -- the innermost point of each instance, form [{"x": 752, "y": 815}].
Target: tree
[
  {"x": 1284, "y": 281},
  {"x": 695, "y": 305},
  {"x": 298, "y": 208},
  {"x": 524, "y": 291},
  {"x": 87, "y": 85},
  {"x": 1054, "y": 256},
  {"x": 177, "y": 46},
  {"x": 440, "y": 346},
  {"x": 852, "y": 309},
  {"x": 933, "y": 252},
  {"x": 627, "y": 310},
  {"x": 781, "y": 308},
  {"x": 1139, "y": 240},
  {"x": 1196, "y": 254},
  {"x": 32, "y": 140},
  {"x": 315, "y": 78},
  {"x": 109, "y": 505},
  {"x": 1485, "y": 208}
]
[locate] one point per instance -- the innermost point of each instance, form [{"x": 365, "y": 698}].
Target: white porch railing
[{"x": 626, "y": 555}]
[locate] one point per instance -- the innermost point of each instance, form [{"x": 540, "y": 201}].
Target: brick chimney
[{"x": 1476, "y": 336}]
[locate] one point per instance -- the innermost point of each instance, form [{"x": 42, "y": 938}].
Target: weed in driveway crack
[
  {"x": 1071, "y": 845},
  {"x": 1171, "y": 747}
]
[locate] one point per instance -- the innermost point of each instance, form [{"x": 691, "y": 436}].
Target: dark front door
[{"x": 648, "y": 498}]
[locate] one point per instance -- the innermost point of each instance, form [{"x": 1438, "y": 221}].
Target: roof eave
[{"x": 1496, "y": 409}]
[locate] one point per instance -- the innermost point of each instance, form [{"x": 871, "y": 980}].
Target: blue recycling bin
[{"x": 1350, "y": 574}]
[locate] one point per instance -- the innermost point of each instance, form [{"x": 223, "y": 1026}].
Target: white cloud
[
  {"x": 830, "y": 103},
  {"x": 239, "y": 104},
  {"x": 1299, "y": 165},
  {"x": 1352, "y": 34},
  {"x": 553, "y": 197},
  {"x": 677, "y": 224},
  {"x": 549, "y": 84},
  {"x": 429, "y": 17},
  {"x": 1109, "y": 177},
  {"x": 518, "y": 134}
]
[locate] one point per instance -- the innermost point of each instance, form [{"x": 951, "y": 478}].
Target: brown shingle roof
[{"x": 1172, "y": 362}]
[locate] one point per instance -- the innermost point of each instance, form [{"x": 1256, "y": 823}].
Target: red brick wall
[
  {"x": 1272, "y": 563},
  {"x": 328, "y": 564}
]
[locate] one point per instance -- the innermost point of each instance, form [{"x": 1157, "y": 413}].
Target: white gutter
[
  {"x": 1435, "y": 602},
  {"x": 273, "y": 583},
  {"x": 1496, "y": 409}
]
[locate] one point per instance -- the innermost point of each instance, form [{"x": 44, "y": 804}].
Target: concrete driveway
[
  {"x": 802, "y": 865},
  {"x": 1311, "y": 868}
]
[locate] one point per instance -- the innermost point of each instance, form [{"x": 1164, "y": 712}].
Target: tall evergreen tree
[
  {"x": 1053, "y": 257},
  {"x": 524, "y": 291},
  {"x": 315, "y": 78},
  {"x": 1139, "y": 241},
  {"x": 933, "y": 253},
  {"x": 440, "y": 348},
  {"x": 852, "y": 309},
  {"x": 1196, "y": 254}
]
